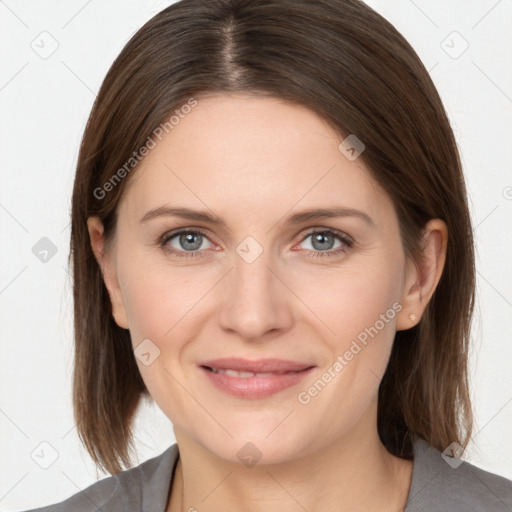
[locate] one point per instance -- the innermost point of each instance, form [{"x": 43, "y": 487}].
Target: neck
[{"x": 355, "y": 472}]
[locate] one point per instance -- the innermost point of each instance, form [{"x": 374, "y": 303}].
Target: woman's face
[{"x": 258, "y": 284}]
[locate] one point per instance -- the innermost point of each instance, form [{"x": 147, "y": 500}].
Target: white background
[{"x": 44, "y": 106}]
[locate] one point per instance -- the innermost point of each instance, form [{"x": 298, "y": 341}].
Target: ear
[
  {"x": 108, "y": 271},
  {"x": 421, "y": 278}
]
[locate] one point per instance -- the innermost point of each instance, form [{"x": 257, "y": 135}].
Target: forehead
[{"x": 250, "y": 155}]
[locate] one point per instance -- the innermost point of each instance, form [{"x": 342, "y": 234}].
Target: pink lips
[{"x": 233, "y": 375}]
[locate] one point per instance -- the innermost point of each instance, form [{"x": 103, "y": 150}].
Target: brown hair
[{"x": 349, "y": 65}]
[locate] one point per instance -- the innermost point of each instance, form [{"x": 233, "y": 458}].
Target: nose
[{"x": 255, "y": 302}]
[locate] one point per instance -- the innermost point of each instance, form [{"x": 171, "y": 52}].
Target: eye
[
  {"x": 185, "y": 243},
  {"x": 328, "y": 242},
  {"x": 192, "y": 242}
]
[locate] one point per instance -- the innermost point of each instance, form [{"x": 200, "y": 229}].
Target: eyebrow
[{"x": 296, "y": 218}]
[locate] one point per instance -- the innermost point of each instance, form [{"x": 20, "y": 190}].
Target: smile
[
  {"x": 245, "y": 375},
  {"x": 258, "y": 379}
]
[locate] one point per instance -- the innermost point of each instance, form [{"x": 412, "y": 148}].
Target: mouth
[
  {"x": 254, "y": 379},
  {"x": 261, "y": 366},
  {"x": 244, "y": 375}
]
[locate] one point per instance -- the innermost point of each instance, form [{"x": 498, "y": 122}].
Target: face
[{"x": 309, "y": 304}]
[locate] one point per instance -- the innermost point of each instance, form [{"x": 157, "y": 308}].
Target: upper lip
[{"x": 256, "y": 366}]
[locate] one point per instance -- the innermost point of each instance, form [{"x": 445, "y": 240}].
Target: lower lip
[{"x": 255, "y": 387}]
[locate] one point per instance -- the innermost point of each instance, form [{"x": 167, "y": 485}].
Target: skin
[{"x": 253, "y": 162}]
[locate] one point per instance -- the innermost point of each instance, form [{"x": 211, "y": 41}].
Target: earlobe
[
  {"x": 109, "y": 273},
  {"x": 422, "y": 278}
]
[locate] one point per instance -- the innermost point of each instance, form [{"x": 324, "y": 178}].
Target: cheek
[
  {"x": 162, "y": 305},
  {"x": 356, "y": 308},
  {"x": 158, "y": 299},
  {"x": 360, "y": 308},
  {"x": 350, "y": 299}
]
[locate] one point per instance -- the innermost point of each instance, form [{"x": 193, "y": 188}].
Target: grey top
[{"x": 438, "y": 485}]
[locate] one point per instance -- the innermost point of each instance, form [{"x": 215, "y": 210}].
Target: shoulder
[
  {"x": 441, "y": 483},
  {"x": 143, "y": 487}
]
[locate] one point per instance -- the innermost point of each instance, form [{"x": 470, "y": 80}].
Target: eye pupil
[
  {"x": 188, "y": 238},
  {"x": 325, "y": 240}
]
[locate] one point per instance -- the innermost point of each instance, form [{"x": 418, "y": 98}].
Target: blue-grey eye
[
  {"x": 187, "y": 241},
  {"x": 323, "y": 240},
  {"x": 191, "y": 241}
]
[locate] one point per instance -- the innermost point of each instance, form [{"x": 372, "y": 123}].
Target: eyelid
[
  {"x": 346, "y": 245},
  {"x": 340, "y": 234},
  {"x": 168, "y": 235}
]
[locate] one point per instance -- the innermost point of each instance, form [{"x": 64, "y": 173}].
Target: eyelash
[{"x": 345, "y": 239}]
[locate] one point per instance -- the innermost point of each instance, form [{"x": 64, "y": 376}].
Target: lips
[
  {"x": 243, "y": 375},
  {"x": 261, "y": 366},
  {"x": 254, "y": 379}
]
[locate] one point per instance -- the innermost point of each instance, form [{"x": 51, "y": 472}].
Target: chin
[{"x": 254, "y": 445}]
